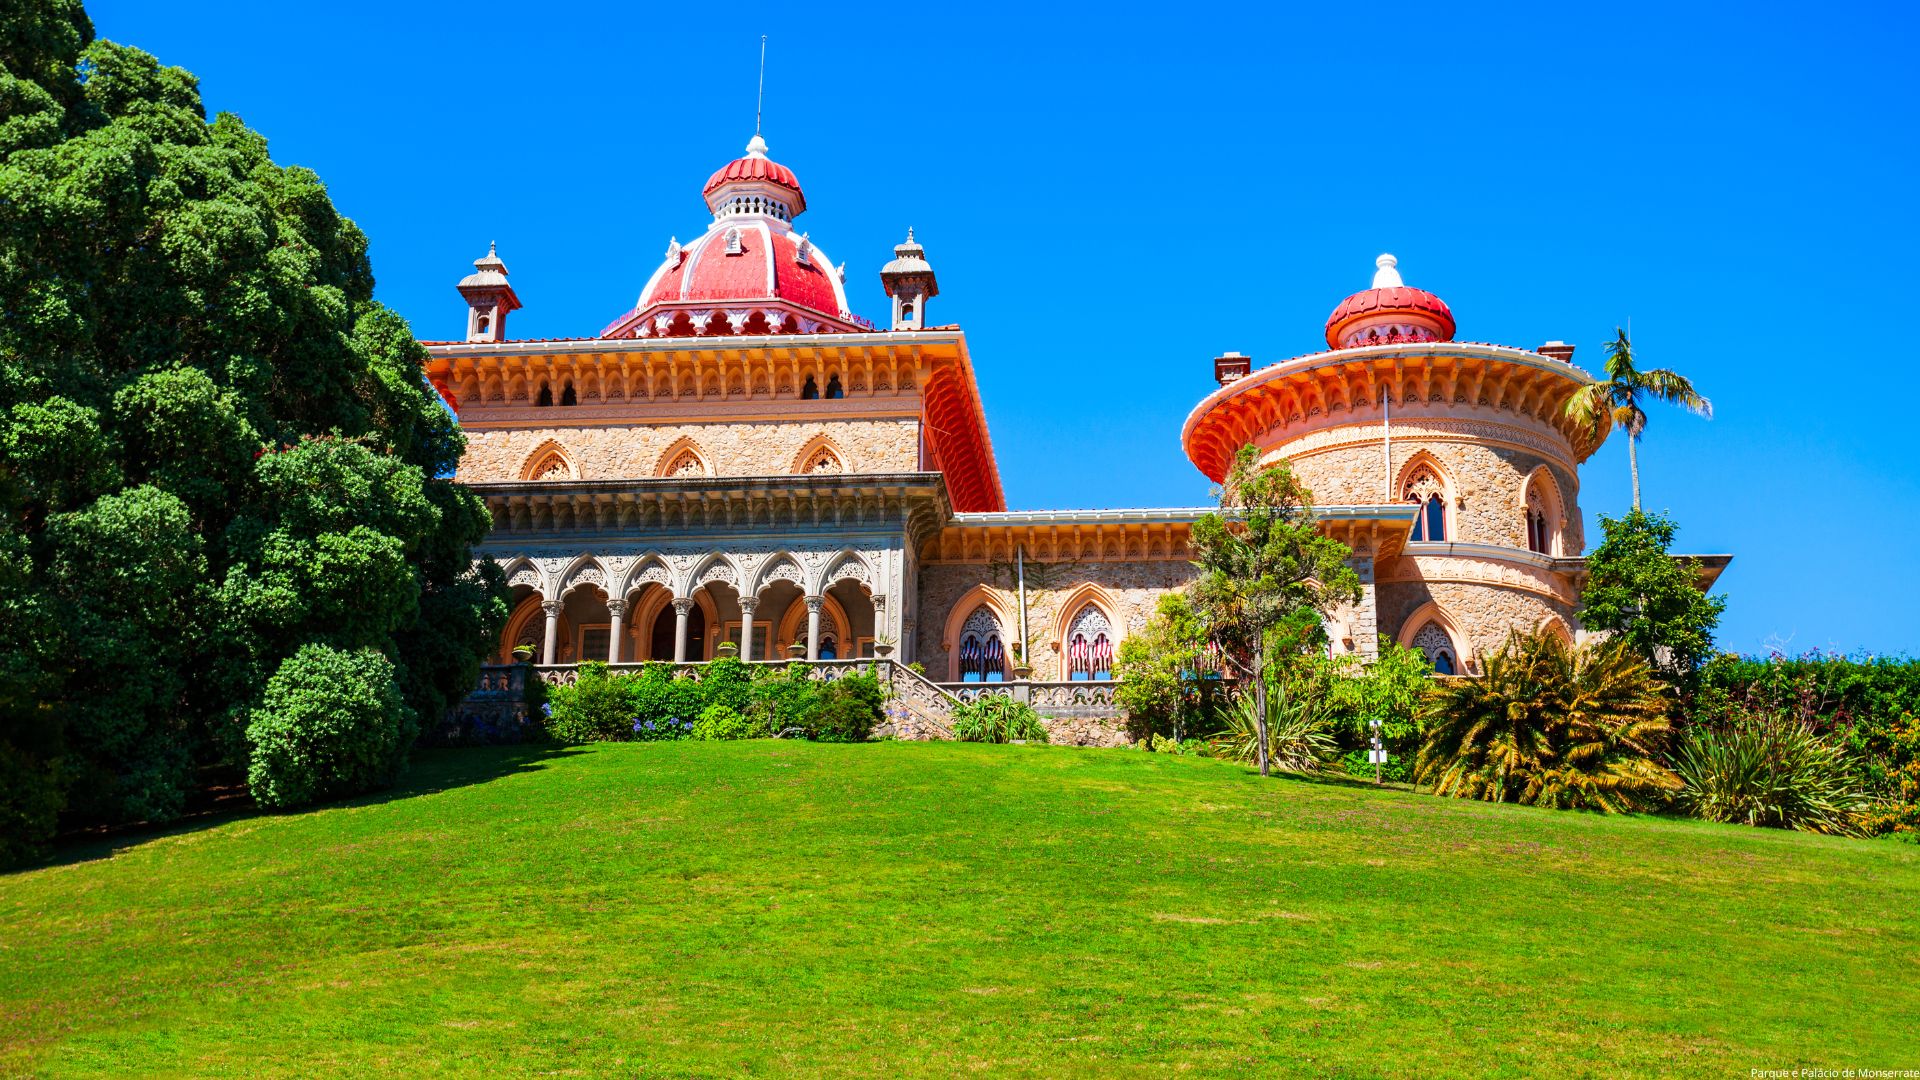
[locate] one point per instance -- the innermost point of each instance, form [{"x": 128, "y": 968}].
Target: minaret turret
[
  {"x": 909, "y": 281},
  {"x": 489, "y": 298}
]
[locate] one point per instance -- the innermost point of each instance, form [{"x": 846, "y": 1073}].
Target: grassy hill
[{"x": 765, "y": 908}]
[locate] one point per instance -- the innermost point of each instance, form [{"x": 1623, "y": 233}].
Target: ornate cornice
[
  {"x": 1518, "y": 434},
  {"x": 1288, "y": 401}
]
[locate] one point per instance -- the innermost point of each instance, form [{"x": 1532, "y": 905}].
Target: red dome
[
  {"x": 756, "y": 167},
  {"x": 1390, "y": 311}
]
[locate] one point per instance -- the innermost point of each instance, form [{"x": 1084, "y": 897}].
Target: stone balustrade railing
[{"x": 1081, "y": 698}]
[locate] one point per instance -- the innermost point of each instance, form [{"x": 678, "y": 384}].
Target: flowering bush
[{"x": 672, "y": 727}]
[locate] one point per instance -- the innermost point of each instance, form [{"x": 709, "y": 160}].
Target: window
[
  {"x": 1425, "y": 491},
  {"x": 982, "y": 656},
  {"x": 733, "y": 242},
  {"x": 687, "y": 464},
  {"x": 833, "y": 388},
  {"x": 1090, "y": 645},
  {"x": 595, "y": 642},
  {"x": 810, "y": 391},
  {"x": 829, "y": 649},
  {"x": 1438, "y": 647},
  {"x": 567, "y": 397},
  {"x": 1539, "y": 534},
  {"x": 906, "y": 310},
  {"x": 483, "y": 324},
  {"x": 546, "y": 396}
]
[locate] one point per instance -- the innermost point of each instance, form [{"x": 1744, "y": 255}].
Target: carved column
[
  {"x": 618, "y": 608},
  {"x": 552, "y": 608},
  {"x": 747, "y": 604},
  {"x": 882, "y": 624},
  {"x": 813, "y": 626},
  {"x": 682, "y": 607}
]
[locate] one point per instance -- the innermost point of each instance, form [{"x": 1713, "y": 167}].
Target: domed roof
[
  {"x": 750, "y": 272},
  {"x": 755, "y": 167},
  {"x": 1390, "y": 311}
]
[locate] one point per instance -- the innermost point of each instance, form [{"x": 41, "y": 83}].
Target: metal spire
[{"x": 759, "y": 99}]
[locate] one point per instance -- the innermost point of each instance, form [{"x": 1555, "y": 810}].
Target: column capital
[
  {"x": 683, "y": 605},
  {"x": 618, "y": 608},
  {"x": 749, "y": 603},
  {"x": 814, "y": 602},
  {"x": 551, "y": 607}
]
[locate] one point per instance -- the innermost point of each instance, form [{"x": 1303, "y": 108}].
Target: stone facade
[
  {"x": 1125, "y": 591},
  {"x": 640, "y": 450},
  {"x": 1477, "y": 614}
]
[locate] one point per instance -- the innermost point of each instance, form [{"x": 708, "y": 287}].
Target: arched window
[
  {"x": 1540, "y": 514},
  {"x": 483, "y": 323},
  {"x": 546, "y": 396},
  {"x": 906, "y": 309},
  {"x": 687, "y": 464},
  {"x": 1424, "y": 489},
  {"x": 823, "y": 461},
  {"x": 1438, "y": 647},
  {"x": 833, "y": 388},
  {"x": 810, "y": 391},
  {"x": 567, "y": 396},
  {"x": 983, "y": 657},
  {"x": 829, "y": 648},
  {"x": 1090, "y": 645}
]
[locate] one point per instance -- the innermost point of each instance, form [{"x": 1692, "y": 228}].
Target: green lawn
[{"x": 766, "y": 908}]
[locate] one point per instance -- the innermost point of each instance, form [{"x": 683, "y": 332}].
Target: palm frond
[{"x": 1675, "y": 389}]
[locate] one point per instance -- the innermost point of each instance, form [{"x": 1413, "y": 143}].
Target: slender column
[
  {"x": 813, "y": 626},
  {"x": 619, "y": 610},
  {"x": 682, "y": 605},
  {"x": 747, "y": 604},
  {"x": 552, "y": 608}
]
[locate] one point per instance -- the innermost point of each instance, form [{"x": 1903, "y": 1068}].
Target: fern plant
[
  {"x": 1552, "y": 725},
  {"x": 997, "y": 719},
  {"x": 1770, "y": 770}
]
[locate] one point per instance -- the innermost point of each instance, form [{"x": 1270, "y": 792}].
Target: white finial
[
  {"x": 757, "y": 147},
  {"x": 491, "y": 249},
  {"x": 909, "y": 234},
  {"x": 1386, "y": 277}
]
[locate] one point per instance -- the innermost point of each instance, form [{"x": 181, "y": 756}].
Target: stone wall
[
  {"x": 1488, "y": 478},
  {"x": 1482, "y": 612},
  {"x": 635, "y": 451},
  {"x": 1133, "y": 588}
]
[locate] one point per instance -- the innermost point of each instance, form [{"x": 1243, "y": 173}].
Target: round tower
[{"x": 1449, "y": 466}]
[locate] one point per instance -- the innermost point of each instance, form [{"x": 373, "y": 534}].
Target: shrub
[
  {"x": 1769, "y": 770},
  {"x": 331, "y": 723},
  {"x": 719, "y": 722},
  {"x": 1551, "y": 725},
  {"x": 1298, "y": 737},
  {"x": 786, "y": 699},
  {"x": 851, "y": 708},
  {"x": 997, "y": 719},
  {"x": 594, "y": 709},
  {"x": 1398, "y": 767}
]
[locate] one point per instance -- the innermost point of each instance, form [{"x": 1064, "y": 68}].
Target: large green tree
[
  {"x": 216, "y": 450},
  {"x": 1636, "y": 588},
  {"x": 1267, "y": 575},
  {"x": 1616, "y": 401}
]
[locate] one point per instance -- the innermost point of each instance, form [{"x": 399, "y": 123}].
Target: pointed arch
[
  {"x": 1543, "y": 512},
  {"x": 781, "y": 566},
  {"x": 584, "y": 570},
  {"x": 976, "y": 599},
  {"x": 683, "y": 457},
  {"x": 550, "y": 461},
  {"x": 649, "y": 568},
  {"x": 1087, "y": 629},
  {"x": 846, "y": 565},
  {"x": 1419, "y": 631},
  {"x": 1557, "y": 626},
  {"x": 714, "y": 567},
  {"x": 526, "y": 625},
  {"x": 1425, "y": 482},
  {"x": 820, "y": 455}
]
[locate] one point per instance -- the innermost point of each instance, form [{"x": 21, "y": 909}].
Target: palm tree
[
  {"x": 1615, "y": 401},
  {"x": 1551, "y": 724}
]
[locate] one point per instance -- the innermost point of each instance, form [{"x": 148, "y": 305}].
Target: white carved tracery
[{"x": 1439, "y": 649}]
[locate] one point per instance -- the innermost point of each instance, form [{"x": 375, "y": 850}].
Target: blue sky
[{"x": 1112, "y": 197}]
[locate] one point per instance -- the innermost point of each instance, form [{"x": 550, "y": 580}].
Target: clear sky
[{"x": 1113, "y": 196}]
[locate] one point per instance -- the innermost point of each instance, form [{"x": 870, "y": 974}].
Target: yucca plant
[
  {"x": 1299, "y": 737},
  {"x": 1551, "y": 725},
  {"x": 1769, "y": 770}
]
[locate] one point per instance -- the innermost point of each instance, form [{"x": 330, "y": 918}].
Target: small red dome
[
  {"x": 756, "y": 167},
  {"x": 1389, "y": 312}
]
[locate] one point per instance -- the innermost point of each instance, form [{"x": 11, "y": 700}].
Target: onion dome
[
  {"x": 750, "y": 272},
  {"x": 1389, "y": 313}
]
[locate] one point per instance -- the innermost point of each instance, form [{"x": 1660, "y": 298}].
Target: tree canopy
[
  {"x": 216, "y": 451},
  {"x": 1267, "y": 574},
  {"x": 1635, "y": 588}
]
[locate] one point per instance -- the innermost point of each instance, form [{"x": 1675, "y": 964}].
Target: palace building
[{"x": 740, "y": 458}]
